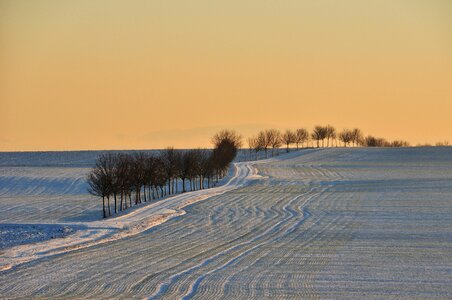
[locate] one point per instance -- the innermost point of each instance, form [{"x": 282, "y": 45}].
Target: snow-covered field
[{"x": 329, "y": 223}]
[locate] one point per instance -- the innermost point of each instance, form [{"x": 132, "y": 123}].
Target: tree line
[
  {"x": 130, "y": 179},
  {"x": 123, "y": 180},
  {"x": 270, "y": 140}
]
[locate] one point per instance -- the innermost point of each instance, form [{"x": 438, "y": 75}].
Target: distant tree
[
  {"x": 371, "y": 141},
  {"x": 100, "y": 181},
  {"x": 442, "y": 144},
  {"x": 400, "y": 143},
  {"x": 99, "y": 186},
  {"x": 382, "y": 142},
  {"x": 346, "y": 136},
  {"x": 263, "y": 142},
  {"x": 330, "y": 133},
  {"x": 115, "y": 186},
  {"x": 187, "y": 162},
  {"x": 206, "y": 166},
  {"x": 273, "y": 138},
  {"x": 357, "y": 137},
  {"x": 288, "y": 137},
  {"x": 138, "y": 176},
  {"x": 301, "y": 136},
  {"x": 319, "y": 134},
  {"x": 160, "y": 176},
  {"x": 252, "y": 145},
  {"x": 195, "y": 174},
  {"x": 203, "y": 166},
  {"x": 149, "y": 176},
  {"x": 226, "y": 144},
  {"x": 227, "y": 136},
  {"x": 258, "y": 144},
  {"x": 171, "y": 158}
]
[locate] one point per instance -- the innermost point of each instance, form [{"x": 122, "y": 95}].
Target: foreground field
[{"x": 332, "y": 223}]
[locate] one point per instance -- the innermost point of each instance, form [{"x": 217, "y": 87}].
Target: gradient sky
[{"x": 92, "y": 74}]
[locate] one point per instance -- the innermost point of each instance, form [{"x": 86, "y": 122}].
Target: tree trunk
[
  {"x": 108, "y": 203},
  {"x": 116, "y": 211},
  {"x": 137, "y": 196},
  {"x": 104, "y": 213},
  {"x": 144, "y": 193}
]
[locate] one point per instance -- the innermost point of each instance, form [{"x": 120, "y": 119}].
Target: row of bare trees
[
  {"x": 146, "y": 177},
  {"x": 321, "y": 136},
  {"x": 273, "y": 139},
  {"x": 130, "y": 179}
]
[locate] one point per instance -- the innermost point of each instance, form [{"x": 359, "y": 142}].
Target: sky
[{"x": 136, "y": 74}]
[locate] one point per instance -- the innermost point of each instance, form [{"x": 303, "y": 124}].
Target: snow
[
  {"x": 22, "y": 246},
  {"x": 328, "y": 223},
  {"x": 18, "y": 234}
]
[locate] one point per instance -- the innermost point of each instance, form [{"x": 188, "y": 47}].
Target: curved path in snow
[{"x": 129, "y": 224}]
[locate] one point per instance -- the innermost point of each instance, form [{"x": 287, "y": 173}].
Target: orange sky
[{"x": 105, "y": 74}]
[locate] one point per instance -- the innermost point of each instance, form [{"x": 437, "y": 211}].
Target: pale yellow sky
[{"x": 94, "y": 74}]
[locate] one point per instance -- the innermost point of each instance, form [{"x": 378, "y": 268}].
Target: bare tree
[
  {"x": 301, "y": 136},
  {"x": 186, "y": 165},
  {"x": 100, "y": 181},
  {"x": 138, "y": 175},
  {"x": 371, "y": 141},
  {"x": 357, "y": 137},
  {"x": 441, "y": 144},
  {"x": 226, "y": 145},
  {"x": 263, "y": 142},
  {"x": 99, "y": 186},
  {"x": 319, "y": 134},
  {"x": 123, "y": 179},
  {"x": 160, "y": 176},
  {"x": 206, "y": 167},
  {"x": 252, "y": 143},
  {"x": 229, "y": 136},
  {"x": 346, "y": 136},
  {"x": 400, "y": 143},
  {"x": 375, "y": 142},
  {"x": 257, "y": 144},
  {"x": 330, "y": 133},
  {"x": 288, "y": 138},
  {"x": 273, "y": 137},
  {"x": 150, "y": 168},
  {"x": 115, "y": 186},
  {"x": 170, "y": 157}
]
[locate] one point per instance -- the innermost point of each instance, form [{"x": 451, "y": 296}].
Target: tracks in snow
[
  {"x": 98, "y": 232},
  {"x": 336, "y": 232}
]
